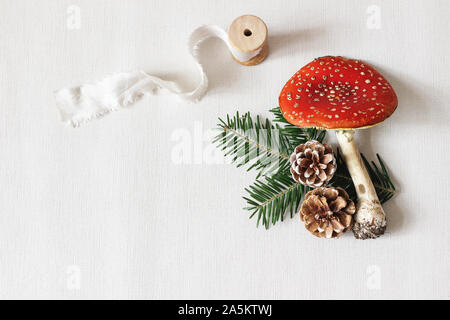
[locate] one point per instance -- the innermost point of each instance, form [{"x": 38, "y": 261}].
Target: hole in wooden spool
[{"x": 247, "y": 32}]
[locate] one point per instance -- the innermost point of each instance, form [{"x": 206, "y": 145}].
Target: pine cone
[
  {"x": 313, "y": 164},
  {"x": 327, "y": 212}
]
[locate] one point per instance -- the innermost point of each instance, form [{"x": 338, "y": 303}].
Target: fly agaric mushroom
[{"x": 343, "y": 94}]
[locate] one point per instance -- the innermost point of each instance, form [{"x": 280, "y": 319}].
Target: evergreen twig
[
  {"x": 256, "y": 143},
  {"x": 295, "y": 134}
]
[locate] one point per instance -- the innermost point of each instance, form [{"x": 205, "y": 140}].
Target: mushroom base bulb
[{"x": 370, "y": 222}]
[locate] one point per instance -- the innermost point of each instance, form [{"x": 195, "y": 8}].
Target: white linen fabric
[{"x": 111, "y": 210}]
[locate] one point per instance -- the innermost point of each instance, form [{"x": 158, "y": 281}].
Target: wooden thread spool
[{"x": 248, "y": 37}]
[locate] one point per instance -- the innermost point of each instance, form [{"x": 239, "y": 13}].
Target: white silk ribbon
[{"x": 78, "y": 105}]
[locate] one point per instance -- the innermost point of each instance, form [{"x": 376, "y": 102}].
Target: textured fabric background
[{"x": 108, "y": 210}]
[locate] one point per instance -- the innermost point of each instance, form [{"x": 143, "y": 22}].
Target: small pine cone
[
  {"x": 327, "y": 212},
  {"x": 313, "y": 164}
]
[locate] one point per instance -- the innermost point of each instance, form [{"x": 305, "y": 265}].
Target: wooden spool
[{"x": 248, "y": 34}]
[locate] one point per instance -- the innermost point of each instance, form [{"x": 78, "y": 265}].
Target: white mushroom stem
[{"x": 370, "y": 219}]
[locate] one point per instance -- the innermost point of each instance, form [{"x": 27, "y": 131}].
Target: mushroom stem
[{"x": 370, "y": 219}]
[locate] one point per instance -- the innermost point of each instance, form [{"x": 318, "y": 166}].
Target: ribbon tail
[{"x": 78, "y": 105}]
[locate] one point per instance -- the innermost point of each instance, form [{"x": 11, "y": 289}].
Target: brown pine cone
[
  {"x": 327, "y": 212},
  {"x": 313, "y": 164}
]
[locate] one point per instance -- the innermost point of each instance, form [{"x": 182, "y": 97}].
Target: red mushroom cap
[{"x": 337, "y": 93}]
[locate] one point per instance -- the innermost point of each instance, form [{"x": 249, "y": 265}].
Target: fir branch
[
  {"x": 256, "y": 143},
  {"x": 296, "y": 135},
  {"x": 271, "y": 198}
]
